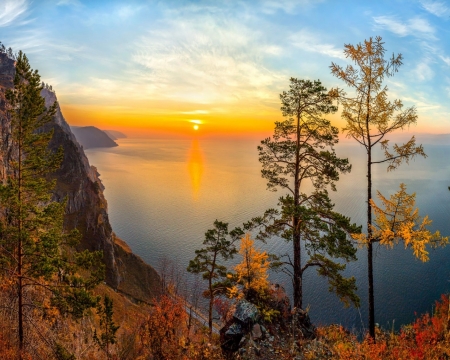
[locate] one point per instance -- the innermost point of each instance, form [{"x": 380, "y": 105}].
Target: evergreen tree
[
  {"x": 35, "y": 251},
  {"x": 107, "y": 326},
  {"x": 301, "y": 152},
  {"x": 370, "y": 117},
  {"x": 209, "y": 260}
]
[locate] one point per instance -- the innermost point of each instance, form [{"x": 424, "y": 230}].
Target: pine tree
[
  {"x": 107, "y": 326},
  {"x": 301, "y": 153},
  {"x": 209, "y": 260},
  {"x": 370, "y": 117},
  {"x": 35, "y": 251}
]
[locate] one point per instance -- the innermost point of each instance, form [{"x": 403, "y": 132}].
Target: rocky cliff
[{"x": 79, "y": 184}]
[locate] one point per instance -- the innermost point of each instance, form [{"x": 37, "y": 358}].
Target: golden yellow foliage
[
  {"x": 252, "y": 271},
  {"x": 398, "y": 220}
]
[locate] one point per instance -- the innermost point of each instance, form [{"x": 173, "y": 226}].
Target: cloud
[
  {"x": 415, "y": 27},
  {"x": 127, "y": 11},
  {"x": 76, "y": 3},
  {"x": 445, "y": 59},
  {"x": 195, "y": 112},
  {"x": 423, "y": 71},
  {"x": 11, "y": 10},
  {"x": 288, "y": 6},
  {"x": 436, "y": 8},
  {"x": 206, "y": 59},
  {"x": 307, "y": 41}
]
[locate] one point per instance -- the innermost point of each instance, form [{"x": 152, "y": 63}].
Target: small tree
[
  {"x": 107, "y": 326},
  {"x": 35, "y": 251},
  {"x": 209, "y": 260},
  {"x": 251, "y": 272},
  {"x": 301, "y": 152},
  {"x": 370, "y": 117},
  {"x": 162, "y": 330}
]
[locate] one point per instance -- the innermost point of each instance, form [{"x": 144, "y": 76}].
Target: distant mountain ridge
[
  {"x": 114, "y": 134},
  {"x": 91, "y": 137}
]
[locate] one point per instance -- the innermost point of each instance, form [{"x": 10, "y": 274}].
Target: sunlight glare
[{"x": 195, "y": 127}]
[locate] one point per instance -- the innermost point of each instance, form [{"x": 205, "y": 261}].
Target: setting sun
[{"x": 195, "y": 127}]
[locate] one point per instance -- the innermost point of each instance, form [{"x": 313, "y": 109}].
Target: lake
[{"x": 164, "y": 194}]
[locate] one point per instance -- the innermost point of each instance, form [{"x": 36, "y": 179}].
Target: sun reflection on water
[{"x": 195, "y": 166}]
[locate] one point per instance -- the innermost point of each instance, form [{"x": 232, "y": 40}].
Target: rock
[
  {"x": 246, "y": 312},
  {"x": 230, "y": 337},
  {"x": 257, "y": 332},
  {"x": 280, "y": 301},
  {"x": 244, "y": 317},
  {"x": 303, "y": 322}
]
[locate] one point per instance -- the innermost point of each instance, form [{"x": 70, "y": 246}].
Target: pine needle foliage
[
  {"x": 35, "y": 250},
  {"x": 300, "y": 159},
  {"x": 209, "y": 261},
  {"x": 107, "y": 335}
]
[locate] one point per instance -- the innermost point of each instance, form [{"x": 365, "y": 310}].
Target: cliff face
[{"x": 79, "y": 184}]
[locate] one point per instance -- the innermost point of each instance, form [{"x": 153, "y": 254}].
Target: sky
[{"x": 158, "y": 68}]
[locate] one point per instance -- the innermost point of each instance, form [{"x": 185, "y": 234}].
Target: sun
[{"x": 195, "y": 127}]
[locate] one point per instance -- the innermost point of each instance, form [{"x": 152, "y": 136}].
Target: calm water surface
[{"x": 164, "y": 194}]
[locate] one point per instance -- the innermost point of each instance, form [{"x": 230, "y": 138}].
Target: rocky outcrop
[{"x": 79, "y": 185}]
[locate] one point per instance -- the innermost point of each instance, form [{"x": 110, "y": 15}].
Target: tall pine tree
[
  {"x": 300, "y": 159},
  {"x": 35, "y": 251}
]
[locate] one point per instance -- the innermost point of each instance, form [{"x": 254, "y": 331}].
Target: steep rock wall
[{"x": 78, "y": 183}]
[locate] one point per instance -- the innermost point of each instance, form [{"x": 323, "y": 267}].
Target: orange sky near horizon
[{"x": 141, "y": 122}]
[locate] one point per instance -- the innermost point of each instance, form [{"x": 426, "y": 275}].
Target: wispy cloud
[
  {"x": 206, "y": 59},
  {"x": 308, "y": 41},
  {"x": 417, "y": 27},
  {"x": 69, "y": 3},
  {"x": 423, "y": 71},
  {"x": 11, "y": 10},
  {"x": 287, "y": 6},
  {"x": 445, "y": 59},
  {"x": 195, "y": 112},
  {"x": 436, "y": 8}
]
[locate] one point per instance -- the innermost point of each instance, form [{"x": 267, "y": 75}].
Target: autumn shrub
[{"x": 427, "y": 338}]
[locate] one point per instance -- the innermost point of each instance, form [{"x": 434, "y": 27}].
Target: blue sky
[{"x": 156, "y": 65}]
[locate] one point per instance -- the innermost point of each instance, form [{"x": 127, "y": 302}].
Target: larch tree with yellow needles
[
  {"x": 370, "y": 117},
  {"x": 397, "y": 220},
  {"x": 251, "y": 272}
]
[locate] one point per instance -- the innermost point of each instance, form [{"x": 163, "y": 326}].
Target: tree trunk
[
  {"x": 297, "y": 270},
  {"x": 295, "y": 223},
  {"x": 211, "y": 301},
  {"x": 369, "y": 236},
  {"x": 19, "y": 249}
]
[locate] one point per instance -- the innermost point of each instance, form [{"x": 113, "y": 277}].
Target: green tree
[
  {"x": 300, "y": 158},
  {"x": 107, "y": 326},
  {"x": 208, "y": 261},
  {"x": 370, "y": 117},
  {"x": 35, "y": 251}
]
